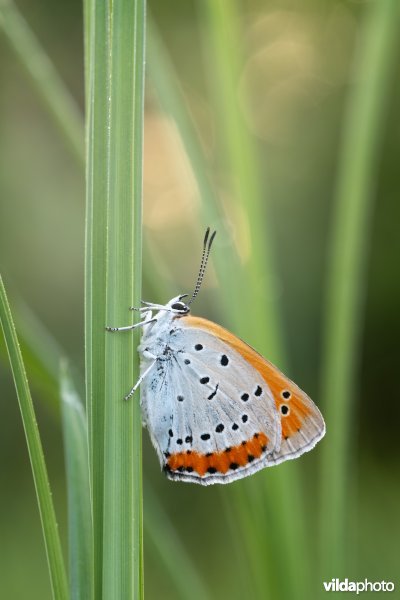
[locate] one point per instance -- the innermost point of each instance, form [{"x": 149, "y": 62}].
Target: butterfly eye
[{"x": 180, "y": 306}]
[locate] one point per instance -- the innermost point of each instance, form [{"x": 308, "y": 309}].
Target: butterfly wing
[
  {"x": 282, "y": 412},
  {"x": 217, "y": 411},
  {"x": 302, "y": 424}
]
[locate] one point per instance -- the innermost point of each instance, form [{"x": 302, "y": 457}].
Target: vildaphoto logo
[{"x": 337, "y": 585}]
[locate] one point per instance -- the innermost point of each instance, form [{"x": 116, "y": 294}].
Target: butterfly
[{"x": 216, "y": 410}]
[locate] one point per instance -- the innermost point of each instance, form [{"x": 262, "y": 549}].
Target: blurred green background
[{"x": 293, "y": 85}]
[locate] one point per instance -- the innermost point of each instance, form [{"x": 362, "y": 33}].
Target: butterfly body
[{"x": 216, "y": 410}]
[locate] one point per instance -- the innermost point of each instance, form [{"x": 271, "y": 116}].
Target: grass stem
[
  {"x": 345, "y": 284},
  {"x": 122, "y": 541},
  {"x": 45, "y": 502},
  {"x": 44, "y": 77}
]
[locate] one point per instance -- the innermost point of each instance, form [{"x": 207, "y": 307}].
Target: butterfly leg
[
  {"x": 129, "y": 327},
  {"x": 147, "y": 305},
  {"x": 139, "y": 381}
]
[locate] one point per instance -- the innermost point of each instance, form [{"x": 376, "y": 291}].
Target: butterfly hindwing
[{"x": 301, "y": 423}]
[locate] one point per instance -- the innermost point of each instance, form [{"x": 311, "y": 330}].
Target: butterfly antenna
[{"x": 203, "y": 263}]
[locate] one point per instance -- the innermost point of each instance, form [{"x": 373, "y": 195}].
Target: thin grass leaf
[
  {"x": 45, "y": 79},
  {"x": 79, "y": 507},
  {"x": 88, "y": 23},
  {"x": 282, "y": 538},
  {"x": 162, "y": 536},
  {"x": 39, "y": 471},
  {"x": 97, "y": 123},
  {"x": 165, "y": 541},
  {"x": 44, "y": 360},
  {"x": 345, "y": 284},
  {"x": 40, "y": 354},
  {"x": 171, "y": 99},
  {"x": 239, "y": 154}
]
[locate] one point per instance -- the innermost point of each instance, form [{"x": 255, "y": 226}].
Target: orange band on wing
[{"x": 219, "y": 462}]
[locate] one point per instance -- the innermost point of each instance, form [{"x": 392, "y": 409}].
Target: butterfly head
[{"x": 178, "y": 307}]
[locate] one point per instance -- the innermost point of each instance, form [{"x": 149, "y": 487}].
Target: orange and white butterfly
[{"x": 216, "y": 410}]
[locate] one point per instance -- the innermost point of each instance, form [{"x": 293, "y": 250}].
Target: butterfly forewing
[{"x": 222, "y": 419}]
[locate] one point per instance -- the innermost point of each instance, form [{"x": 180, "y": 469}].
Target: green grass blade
[
  {"x": 41, "y": 354},
  {"x": 97, "y": 39},
  {"x": 122, "y": 542},
  {"x": 164, "y": 539},
  {"x": 172, "y": 101},
  {"x": 282, "y": 539},
  {"x": 345, "y": 285},
  {"x": 44, "y": 356},
  {"x": 45, "y": 502},
  {"x": 88, "y": 23},
  {"x": 44, "y": 77},
  {"x": 79, "y": 507},
  {"x": 221, "y": 20},
  {"x": 170, "y": 96},
  {"x": 165, "y": 542}
]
